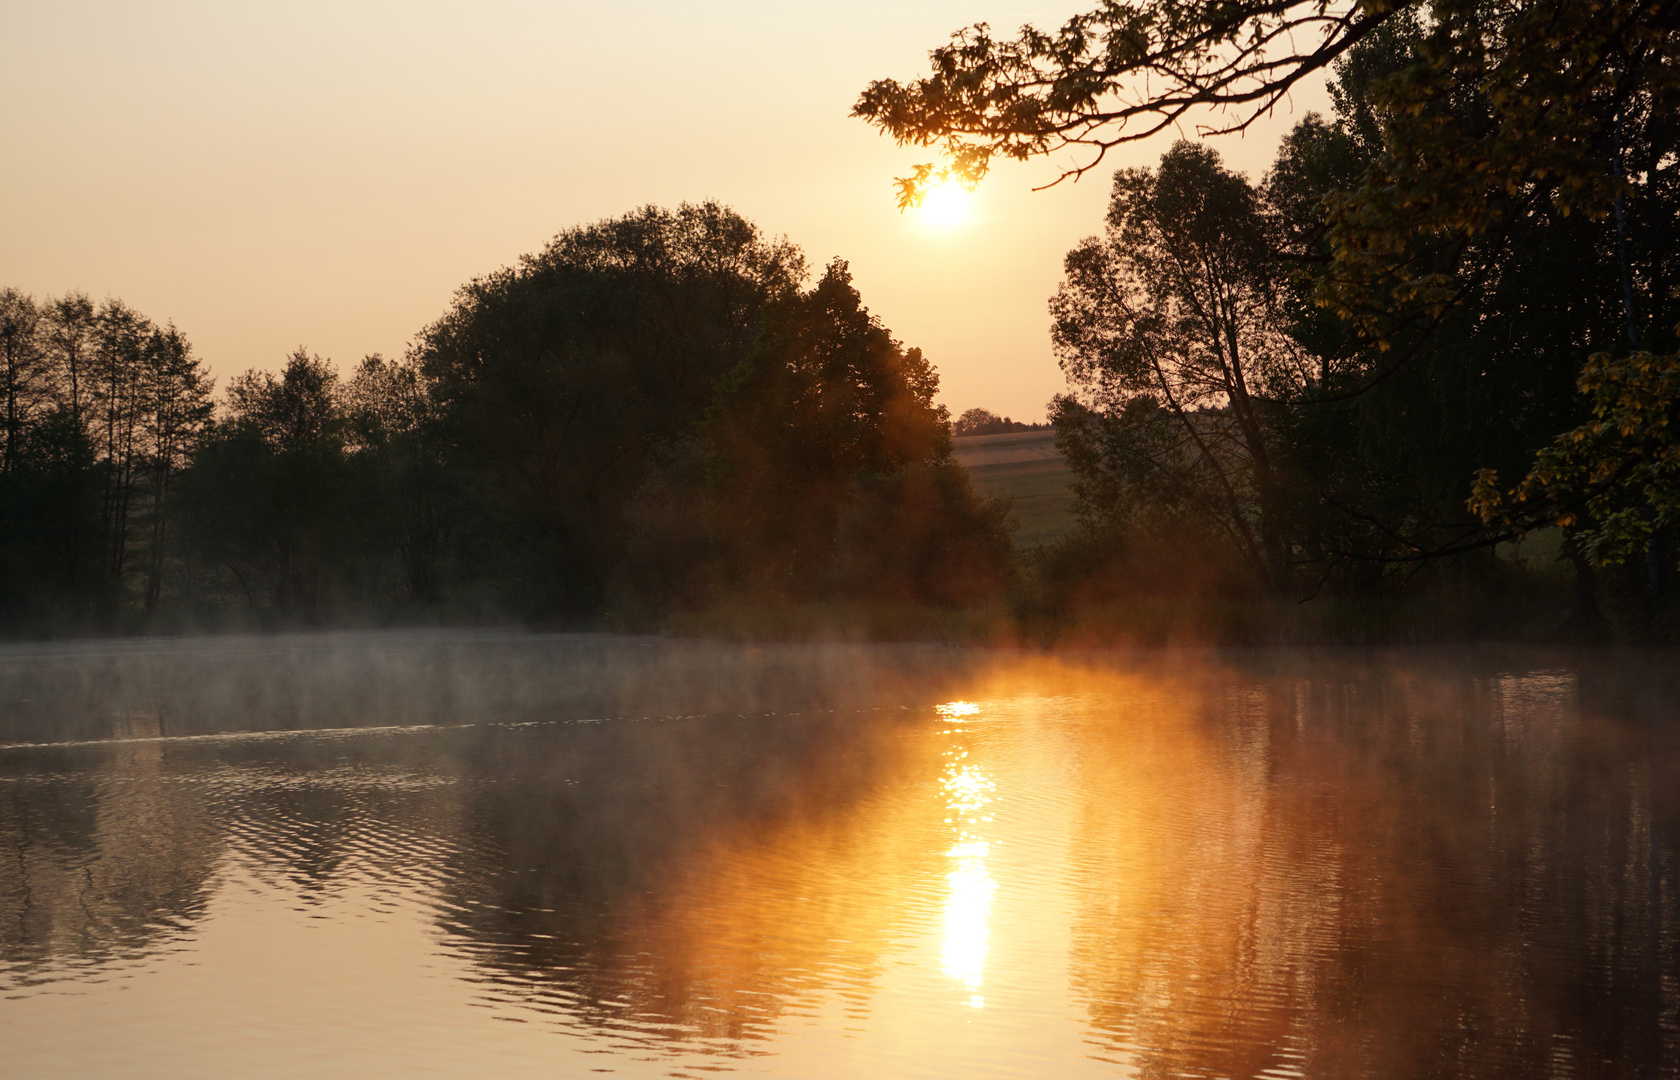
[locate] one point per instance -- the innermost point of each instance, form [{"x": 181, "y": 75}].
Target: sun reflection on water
[{"x": 970, "y": 888}]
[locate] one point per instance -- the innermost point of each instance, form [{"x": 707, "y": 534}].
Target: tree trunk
[{"x": 1586, "y": 622}]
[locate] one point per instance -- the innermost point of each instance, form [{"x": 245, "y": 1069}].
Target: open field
[{"x": 1026, "y": 466}]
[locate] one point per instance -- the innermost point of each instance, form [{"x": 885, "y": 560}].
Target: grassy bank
[{"x": 1026, "y": 468}]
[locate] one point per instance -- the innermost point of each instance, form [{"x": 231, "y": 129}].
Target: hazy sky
[{"x": 327, "y": 174}]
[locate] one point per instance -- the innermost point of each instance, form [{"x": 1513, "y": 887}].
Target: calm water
[{"x": 481, "y": 855}]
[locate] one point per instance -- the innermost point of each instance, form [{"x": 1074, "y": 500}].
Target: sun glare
[{"x": 945, "y": 204}]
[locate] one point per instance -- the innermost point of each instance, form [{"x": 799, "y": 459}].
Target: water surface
[{"x": 511, "y": 855}]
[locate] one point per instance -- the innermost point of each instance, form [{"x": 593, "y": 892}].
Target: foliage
[
  {"x": 653, "y": 410},
  {"x": 651, "y": 414},
  {"x": 51, "y": 557},
  {"x": 1550, "y": 73},
  {"x": 986, "y": 422},
  {"x": 563, "y": 384},
  {"x": 175, "y": 409},
  {"x": 269, "y": 496},
  {"x": 1379, "y": 457},
  {"x": 1168, "y": 327},
  {"x": 1614, "y": 480},
  {"x": 1494, "y": 198},
  {"x": 830, "y": 464},
  {"x": 1121, "y": 72},
  {"x": 103, "y": 410}
]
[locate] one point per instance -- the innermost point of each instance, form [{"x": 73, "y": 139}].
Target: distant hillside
[{"x": 1026, "y": 466}]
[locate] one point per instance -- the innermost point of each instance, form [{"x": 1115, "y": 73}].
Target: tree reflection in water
[
  {"x": 101, "y": 865},
  {"x": 690, "y": 879},
  {"x": 1403, "y": 865},
  {"x": 1381, "y": 874}
]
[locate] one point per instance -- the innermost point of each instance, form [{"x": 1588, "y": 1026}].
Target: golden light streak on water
[
  {"x": 970, "y": 888},
  {"x": 966, "y": 911}
]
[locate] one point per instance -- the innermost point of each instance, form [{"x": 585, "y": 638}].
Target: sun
[{"x": 945, "y": 203}]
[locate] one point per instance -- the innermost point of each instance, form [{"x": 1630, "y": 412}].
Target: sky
[{"x": 328, "y": 174}]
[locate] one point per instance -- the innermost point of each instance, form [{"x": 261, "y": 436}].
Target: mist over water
[{"x": 502, "y": 854}]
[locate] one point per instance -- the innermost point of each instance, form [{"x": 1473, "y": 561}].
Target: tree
[
  {"x": 1078, "y": 87},
  {"x": 987, "y": 422},
  {"x": 1489, "y": 135},
  {"x": 297, "y": 410},
  {"x": 577, "y": 432},
  {"x": 23, "y": 371},
  {"x": 829, "y": 464},
  {"x": 104, "y": 410},
  {"x": 1169, "y": 326},
  {"x": 69, "y": 326},
  {"x": 120, "y": 338},
  {"x": 565, "y": 384},
  {"x": 176, "y": 409},
  {"x": 51, "y": 565},
  {"x": 266, "y": 496},
  {"x": 1380, "y": 448},
  {"x": 1500, "y": 109},
  {"x": 1553, "y": 70},
  {"x": 977, "y": 422},
  {"x": 1615, "y": 479},
  {"x": 398, "y": 472}
]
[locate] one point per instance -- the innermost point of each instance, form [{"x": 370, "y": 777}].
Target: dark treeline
[
  {"x": 652, "y": 413},
  {"x": 987, "y": 422},
  {"x": 1423, "y": 373},
  {"x": 103, "y": 410},
  {"x": 1234, "y": 435},
  {"x": 1441, "y": 323}
]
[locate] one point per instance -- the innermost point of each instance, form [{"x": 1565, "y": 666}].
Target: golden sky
[{"x": 327, "y": 174}]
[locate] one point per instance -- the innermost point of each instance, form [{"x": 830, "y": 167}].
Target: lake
[{"x": 510, "y": 855}]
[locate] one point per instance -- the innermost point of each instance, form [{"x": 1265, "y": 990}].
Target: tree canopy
[
  {"x": 1497, "y": 109},
  {"x": 654, "y": 411},
  {"x": 1423, "y": 274},
  {"x": 1170, "y": 324}
]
